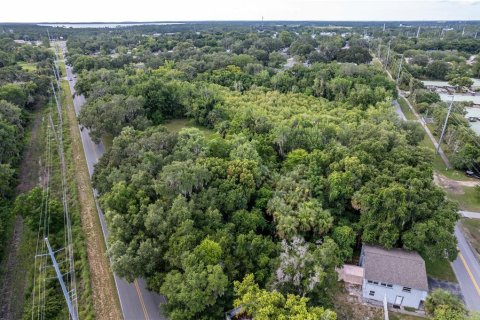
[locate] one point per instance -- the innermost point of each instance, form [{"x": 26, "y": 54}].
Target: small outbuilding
[{"x": 398, "y": 274}]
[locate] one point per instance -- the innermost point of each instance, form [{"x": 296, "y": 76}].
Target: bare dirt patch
[
  {"x": 349, "y": 306},
  {"x": 453, "y": 186}
]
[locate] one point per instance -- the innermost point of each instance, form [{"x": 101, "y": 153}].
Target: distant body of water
[
  {"x": 105, "y": 25},
  {"x": 474, "y": 112}
]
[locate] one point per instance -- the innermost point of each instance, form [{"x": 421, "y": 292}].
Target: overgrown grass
[
  {"x": 176, "y": 125},
  {"x": 469, "y": 200},
  {"x": 27, "y": 66},
  {"x": 439, "y": 165},
  {"x": 19, "y": 277},
  {"x": 61, "y": 66},
  {"x": 401, "y": 316},
  {"x": 406, "y": 109},
  {"x": 25, "y": 254},
  {"x": 83, "y": 286},
  {"x": 472, "y": 228},
  {"x": 440, "y": 269},
  {"x": 84, "y": 289},
  {"x": 80, "y": 180}
]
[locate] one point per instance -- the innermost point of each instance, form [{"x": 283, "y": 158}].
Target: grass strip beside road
[
  {"x": 440, "y": 269},
  {"x": 405, "y": 109},
  {"x": 105, "y": 298},
  {"x": 471, "y": 228},
  {"x": 469, "y": 200}
]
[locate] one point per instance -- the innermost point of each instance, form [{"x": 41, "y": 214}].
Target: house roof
[{"x": 395, "y": 266}]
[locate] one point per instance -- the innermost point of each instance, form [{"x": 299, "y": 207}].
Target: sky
[{"x": 185, "y": 10}]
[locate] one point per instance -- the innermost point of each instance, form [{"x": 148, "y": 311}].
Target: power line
[
  {"x": 399, "y": 68},
  {"x": 71, "y": 310},
  {"x": 444, "y": 126}
]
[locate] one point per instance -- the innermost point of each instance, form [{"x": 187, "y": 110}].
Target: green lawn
[
  {"x": 469, "y": 200},
  {"x": 440, "y": 269},
  {"x": 439, "y": 165},
  {"x": 406, "y": 109},
  {"x": 176, "y": 125},
  {"x": 472, "y": 228},
  {"x": 27, "y": 66}
]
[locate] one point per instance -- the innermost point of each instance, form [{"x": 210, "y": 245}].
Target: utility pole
[
  {"x": 71, "y": 310},
  {"x": 385, "y": 307},
  {"x": 418, "y": 31},
  {"x": 399, "y": 68},
  {"x": 463, "y": 31},
  {"x": 445, "y": 125},
  {"x": 384, "y": 27},
  {"x": 388, "y": 54},
  {"x": 379, "y": 45}
]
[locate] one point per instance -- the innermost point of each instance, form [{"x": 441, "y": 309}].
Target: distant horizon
[
  {"x": 109, "y": 11},
  {"x": 230, "y": 20}
]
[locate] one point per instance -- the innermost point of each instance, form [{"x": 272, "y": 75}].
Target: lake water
[
  {"x": 105, "y": 25},
  {"x": 474, "y": 112}
]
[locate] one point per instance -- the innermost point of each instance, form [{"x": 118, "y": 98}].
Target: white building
[{"x": 398, "y": 274}]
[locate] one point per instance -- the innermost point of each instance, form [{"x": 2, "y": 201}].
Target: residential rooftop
[{"x": 395, "y": 266}]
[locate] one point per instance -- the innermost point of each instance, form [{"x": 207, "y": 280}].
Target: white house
[{"x": 399, "y": 274}]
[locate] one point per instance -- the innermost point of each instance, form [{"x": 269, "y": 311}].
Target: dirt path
[
  {"x": 12, "y": 287},
  {"x": 105, "y": 300},
  {"x": 7, "y": 288},
  {"x": 454, "y": 186},
  {"x": 29, "y": 169}
]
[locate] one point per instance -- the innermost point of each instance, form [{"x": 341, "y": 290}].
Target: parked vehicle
[{"x": 472, "y": 174}]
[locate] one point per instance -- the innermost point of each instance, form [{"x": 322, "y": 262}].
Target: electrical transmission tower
[
  {"x": 73, "y": 312},
  {"x": 388, "y": 54},
  {"x": 445, "y": 125},
  {"x": 67, "y": 279},
  {"x": 399, "y": 68}
]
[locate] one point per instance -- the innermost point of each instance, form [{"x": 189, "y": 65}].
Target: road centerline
[
  {"x": 140, "y": 297},
  {"x": 472, "y": 278}
]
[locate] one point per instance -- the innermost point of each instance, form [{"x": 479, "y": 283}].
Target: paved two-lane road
[
  {"x": 467, "y": 270},
  {"x": 466, "y": 266},
  {"x": 136, "y": 301}
]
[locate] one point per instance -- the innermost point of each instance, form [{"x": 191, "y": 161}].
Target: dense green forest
[
  {"x": 246, "y": 162},
  {"x": 22, "y": 89},
  {"x": 282, "y": 173}
]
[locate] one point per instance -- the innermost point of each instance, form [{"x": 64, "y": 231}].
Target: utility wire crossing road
[{"x": 136, "y": 301}]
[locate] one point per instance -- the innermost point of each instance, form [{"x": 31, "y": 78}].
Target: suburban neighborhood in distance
[{"x": 321, "y": 163}]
